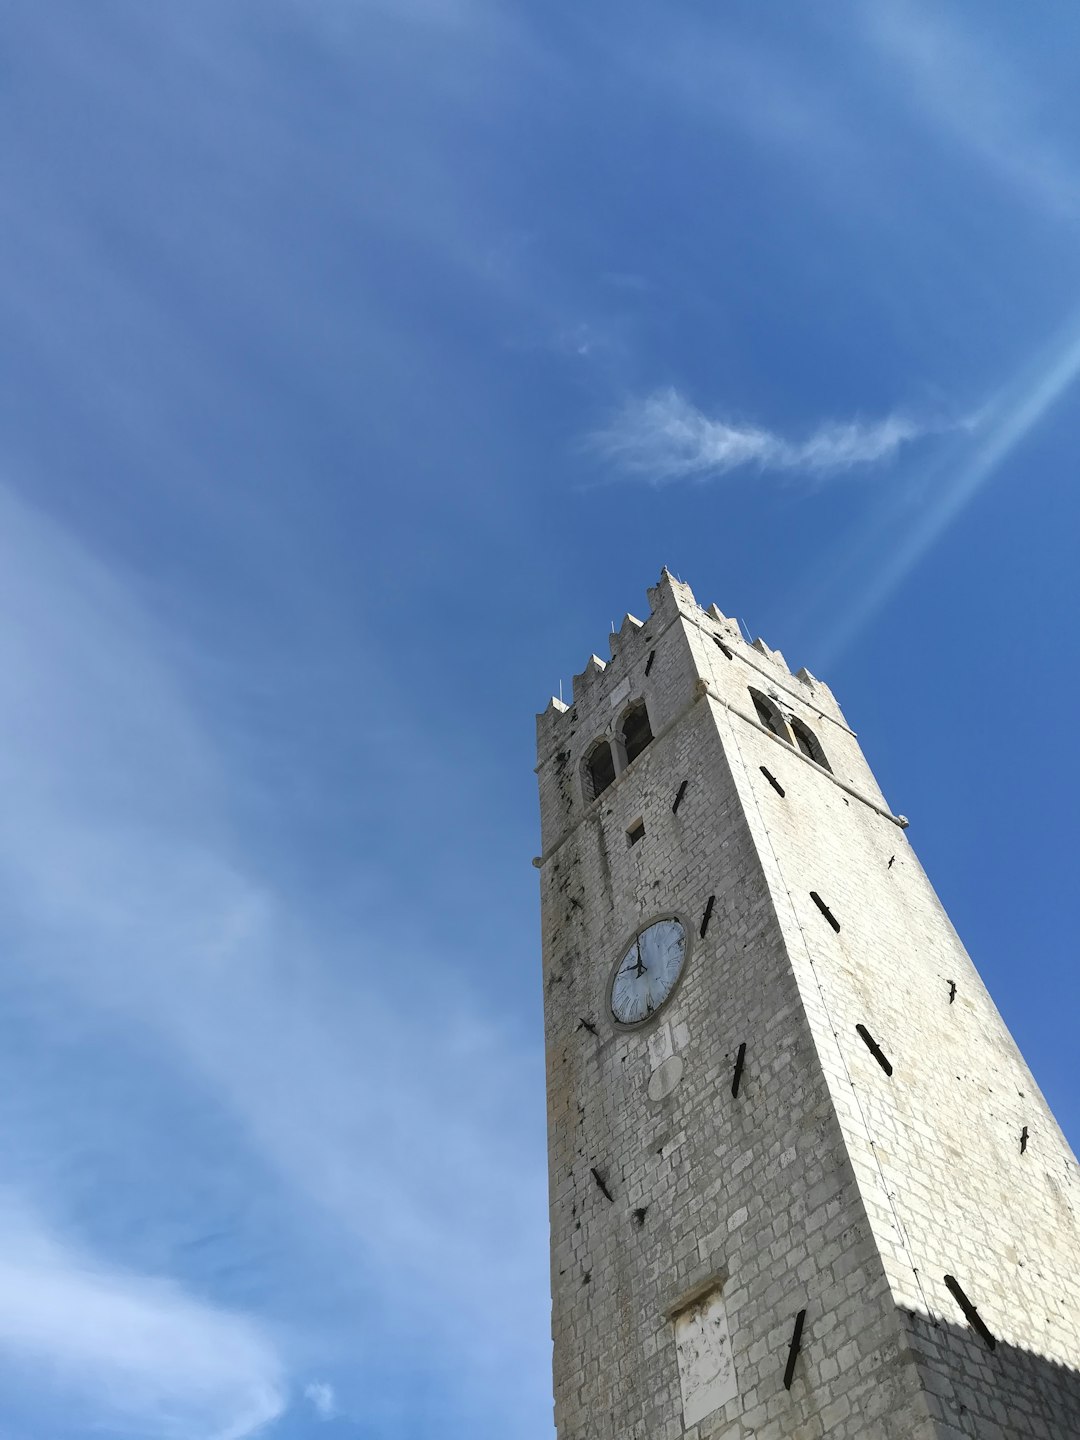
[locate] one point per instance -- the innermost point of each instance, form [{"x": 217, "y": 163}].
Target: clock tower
[{"x": 802, "y": 1183}]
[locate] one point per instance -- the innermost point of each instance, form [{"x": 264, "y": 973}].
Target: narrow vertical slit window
[
  {"x": 736, "y": 1079},
  {"x": 971, "y": 1315},
  {"x": 793, "y": 1348},
  {"x": 874, "y": 1048},
  {"x": 829, "y": 916},
  {"x": 772, "y": 780},
  {"x": 721, "y": 646},
  {"x": 707, "y": 916}
]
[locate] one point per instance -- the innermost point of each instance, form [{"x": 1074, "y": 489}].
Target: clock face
[{"x": 647, "y": 972}]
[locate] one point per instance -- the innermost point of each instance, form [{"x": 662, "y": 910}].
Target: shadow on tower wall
[{"x": 1000, "y": 1393}]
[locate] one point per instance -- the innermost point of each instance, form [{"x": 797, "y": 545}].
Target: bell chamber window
[
  {"x": 599, "y": 769},
  {"x": 770, "y": 716},
  {"x": 809, "y": 744},
  {"x": 637, "y": 732}
]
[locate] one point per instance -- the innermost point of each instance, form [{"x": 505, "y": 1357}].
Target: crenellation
[
  {"x": 774, "y": 657},
  {"x": 670, "y": 597},
  {"x": 549, "y": 729},
  {"x": 628, "y": 631},
  {"x": 671, "y": 601},
  {"x": 583, "y": 682}
]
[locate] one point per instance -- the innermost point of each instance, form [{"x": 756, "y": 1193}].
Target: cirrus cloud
[
  {"x": 143, "y": 1353},
  {"x": 323, "y": 1400},
  {"x": 666, "y": 437}
]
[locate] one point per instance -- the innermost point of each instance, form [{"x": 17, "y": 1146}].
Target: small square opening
[{"x": 636, "y": 832}]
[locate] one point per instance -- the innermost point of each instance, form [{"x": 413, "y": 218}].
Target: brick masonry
[{"x": 826, "y": 1185}]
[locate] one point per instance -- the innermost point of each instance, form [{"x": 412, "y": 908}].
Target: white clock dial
[{"x": 647, "y": 972}]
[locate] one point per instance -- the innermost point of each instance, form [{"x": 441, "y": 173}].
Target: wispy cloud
[
  {"x": 665, "y": 437},
  {"x": 143, "y": 1355},
  {"x": 968, "y": 91},
  {"x": 401, "y": 1149},
  {"x": 323, "y": 1400}
]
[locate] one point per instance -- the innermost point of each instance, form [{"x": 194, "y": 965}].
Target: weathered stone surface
[{"x": 827, "y": 1184}]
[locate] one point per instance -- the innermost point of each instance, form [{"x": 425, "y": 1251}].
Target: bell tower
[{"x": 802, "y": 1183}]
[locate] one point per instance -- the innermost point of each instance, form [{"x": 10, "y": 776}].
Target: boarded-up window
[{"x": 706, "y": 1366}]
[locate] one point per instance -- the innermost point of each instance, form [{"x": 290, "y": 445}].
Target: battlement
[{"x": 668, "y": 599}]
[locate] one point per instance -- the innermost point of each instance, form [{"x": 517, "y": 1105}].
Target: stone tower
[{"x": 802, "y": 1182}]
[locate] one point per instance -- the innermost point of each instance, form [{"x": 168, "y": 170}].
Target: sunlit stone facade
[{"x": 825, "y": 1134}]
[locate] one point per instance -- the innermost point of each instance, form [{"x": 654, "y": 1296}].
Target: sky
[{"x": 362, "y": 363}]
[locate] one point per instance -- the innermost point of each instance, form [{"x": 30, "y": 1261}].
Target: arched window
[
  {"x": 809, "y": 744},
  {"x": 770, "y": 716},
  {"x": 637, "y": 732},
  {"x": 599, "y": 769}
]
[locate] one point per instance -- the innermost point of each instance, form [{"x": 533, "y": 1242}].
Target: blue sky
[{"x": 363, "y": 360}]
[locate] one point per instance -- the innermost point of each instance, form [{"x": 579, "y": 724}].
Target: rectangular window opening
[
  {"x": 636, "y": 832},
  {"x": 874, "y": 1048},
  {"x": 772, "y": 780},
  {"x": 648, "y": 662},
  {"x": 829, "y": 916}
]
